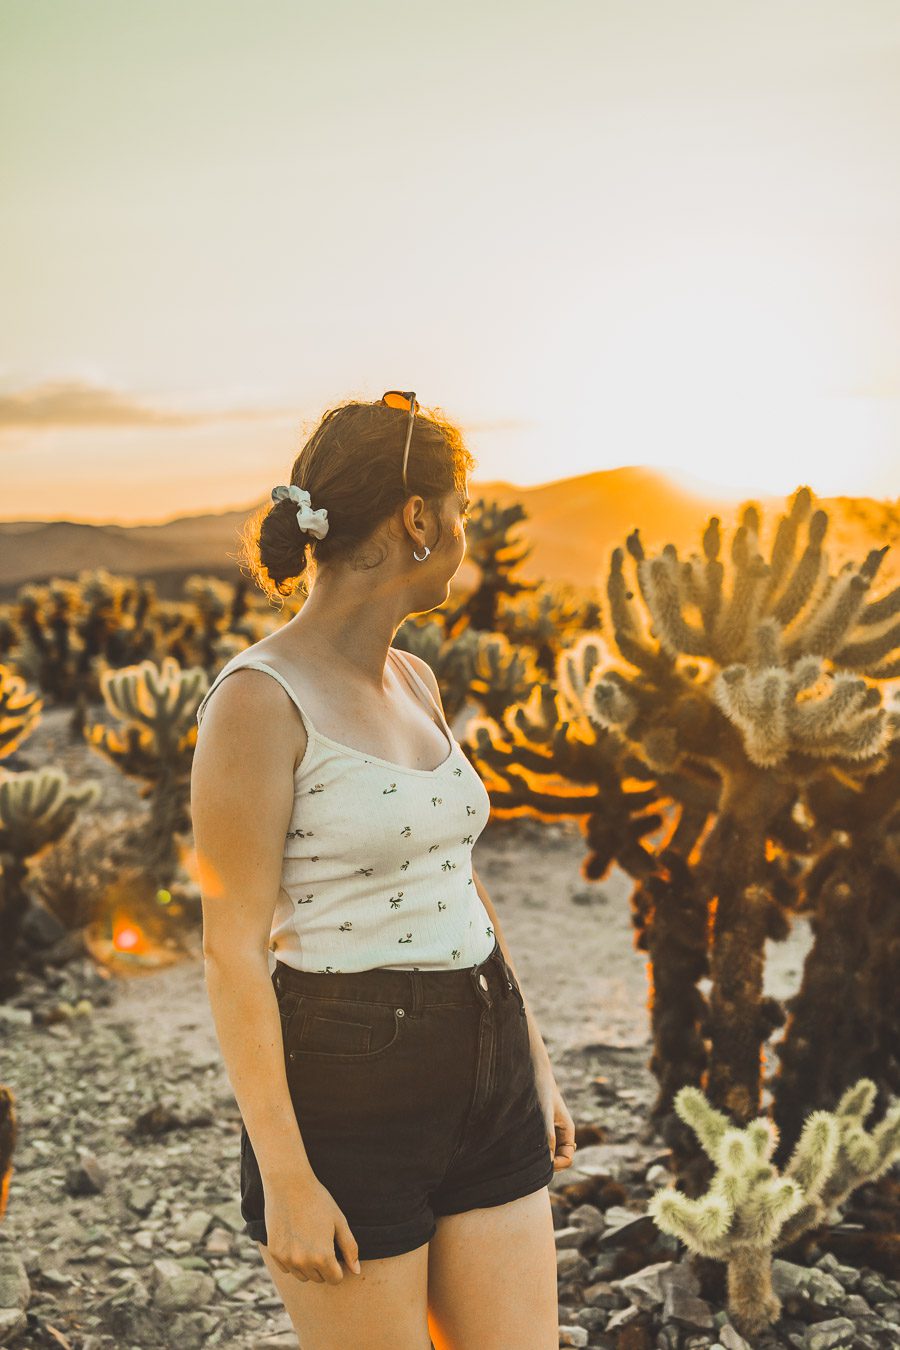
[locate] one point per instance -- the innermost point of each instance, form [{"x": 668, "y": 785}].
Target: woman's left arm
[{"x": 558, "y": 1120}]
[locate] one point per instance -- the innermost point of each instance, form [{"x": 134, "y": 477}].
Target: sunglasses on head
[{"x": 394, "y": 398}]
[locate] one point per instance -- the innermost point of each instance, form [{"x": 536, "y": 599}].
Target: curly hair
[{"x": 351, "y": 464}]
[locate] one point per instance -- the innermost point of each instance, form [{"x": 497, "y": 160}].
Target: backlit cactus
[
  {"x": 751, "y": 1209},
  {"x": 692, "y": 746},
  {"x": 157, "y": 706}
]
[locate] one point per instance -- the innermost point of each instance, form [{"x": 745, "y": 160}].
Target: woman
[{"x": 400, "y": 1115}]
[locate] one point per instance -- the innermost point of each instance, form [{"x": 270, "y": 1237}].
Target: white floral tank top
[{"x": 377, "y": 868}]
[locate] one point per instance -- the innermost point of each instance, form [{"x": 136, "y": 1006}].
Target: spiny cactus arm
[
  {"x": 38, "y": 806},
  {"x": 785, "y": 542},
  {"x": 869, "y": 651},
  {"x": 829, "y": 621},
  {"x": 811, "y": 568},
  {"x": 771, "y": 1202},
  {"x": 737, "y": 621},
  {"x": 815, "y": 1153},
  {"x": 609, "y": 705},
  {"x": 816, "y": 717},
  {"x": 701, "y": 1224},
  {"x": 664, "y": 600},
  {"x": 877, "y": 611},
  {"x": 862, "y": 739},
  {"x": 864, "y": 1156},
  {"x": 757, "y": 705},
  {"x": 20, "y": 710},
  {"x": 708, "y": 1124},
  {"x": 625, "y": 615}
]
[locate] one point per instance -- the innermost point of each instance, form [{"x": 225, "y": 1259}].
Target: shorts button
[
  {"x": 509, "y": 984},
  {"x": 401, "y": 1012},
  {"x": 482, "y": 981}
]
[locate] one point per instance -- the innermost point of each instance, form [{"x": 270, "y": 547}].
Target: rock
[
  {"x": 731, "y": 1340},
  {"x": 12, "y": 1321},
  {"x": 568, "y": 1237},
  {"x": 606, "y": 1160},
  {"x": 573, "y": 1336},
  {"x": 285, "y": 1340},
  {"x": 635, "y": 1230},
  {"x": 622, "y": 1318},
  {"x": 184, "y": 1290},
  {"x": 875, "y": 1289},
  {"x": 571, "y": 1265},
  {"x": 602, "y": 1295},
  {"x": 15, "y": 1288},
  {"x": 193, "y": 1226},
  {"x": 837, "y": 1331},
  {"x": 646, "y": 1288},
  {"x": 87, "y": 1178},
  {"x": 848, "y": 1275},
  {"x": 230, "y": 1215},
  {"x": 588, "y": 1217},
  {"x": 657, "y": 1175},
  {"x": 807, "y": 1282},
  {"x": 141, "y": 1198},
  {"x": 687, "y": 1309}
]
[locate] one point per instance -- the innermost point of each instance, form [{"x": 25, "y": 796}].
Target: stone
[
  {"x": 87, "y": 1178},
  {"x": 193, "y": 1226},
  {"x": 837, "y": 1331},
  {"x": 687, "y": 1309},
  {"x": 573, "y": 1336},
  {"x": 568, "y": 1237},
  {"x": 602, "y": 1295},
  {"x": 184, "y": 1291},
  {"x": 646, "y": 1288},
  {"x": 731, "y": 1339},
  {"x": 15, "y": 1287},
  {"x": 622, "y": 1318},
  {"x": 571, "y": 1265},
  {"x": 587, "y": 1217},
  {"x": 875, "y": 1289},
  {"x": 12, "y": 1321},
  {"x": 285, "y": 1340}
]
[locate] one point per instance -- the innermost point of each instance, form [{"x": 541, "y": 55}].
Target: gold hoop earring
[{"x": 425, "y": 555}]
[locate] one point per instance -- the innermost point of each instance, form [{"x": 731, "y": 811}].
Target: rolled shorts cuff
[
  {"x": 372, "y": 1241},
  {"x": 501, "y": 1190}
]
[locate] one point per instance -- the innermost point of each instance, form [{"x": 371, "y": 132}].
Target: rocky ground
[{"x": 123, "y": 1224}]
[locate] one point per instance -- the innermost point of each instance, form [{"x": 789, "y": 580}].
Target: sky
[{"x": 594, "y": 234}]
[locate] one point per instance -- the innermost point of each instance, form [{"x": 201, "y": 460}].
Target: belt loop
[{"x": 416, "y": 992}]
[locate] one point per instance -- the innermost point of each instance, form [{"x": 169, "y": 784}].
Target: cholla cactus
[
  {"x": 750, "y": 1208},
  {"x": 37, "y": 807},
  {"x": 158, "y": 707},
  {"x": 724, "y": 697}
]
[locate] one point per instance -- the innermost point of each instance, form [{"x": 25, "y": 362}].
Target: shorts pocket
[{"x": 348, "y": 1029}]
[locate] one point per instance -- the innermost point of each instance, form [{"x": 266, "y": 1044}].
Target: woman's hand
[
  {"x": 558, "y": 1121},
  {"x": 303, "y": 1222}
]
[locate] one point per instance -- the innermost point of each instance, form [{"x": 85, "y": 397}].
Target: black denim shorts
[{"x": 415, "y": 1095}]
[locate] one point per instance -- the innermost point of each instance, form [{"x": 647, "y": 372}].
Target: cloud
[{"x": 73, "y": 403}]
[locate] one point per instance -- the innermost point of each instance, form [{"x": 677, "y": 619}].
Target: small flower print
[
  {"x": 314, "y": 857},
  {"x": 469, "y": 839},
  {"x": 364, "y": 871},
  {"x": 455, "y": 953},
  {"x": 470, "y": 810},
  {"x": 447, "y": 865},
  {"x": 328, "y": 970},
  {"x": 437, "y": 801},
  {"x": 395, "y": 900},
  {"x": 408, "y": 938},
  {"x": 318, "y": 787},
  {"x": 345, "y": 926},
  {"x": 489, "y": 930},
  {"x": 457, "y": 772},
  {"x": 405, "y": 832},
  {"x": 441, "y": 906},
  {"x": 304, "y": 900},
  {"x": 299, "y": 834},
  {"x": 404, "y": 865},
  {"x": 433, "y": 847},
  {"x": 386, "y": 791}
]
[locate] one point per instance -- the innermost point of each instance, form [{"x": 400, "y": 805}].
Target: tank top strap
[
  {"x": 419, "y": 684},
  {"x": 255, "y": 663}
]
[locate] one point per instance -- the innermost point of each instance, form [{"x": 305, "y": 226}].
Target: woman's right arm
[{"x": 241, "y": 802}]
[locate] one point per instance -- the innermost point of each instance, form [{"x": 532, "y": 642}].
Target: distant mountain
[{"x": 572, "y": 524}]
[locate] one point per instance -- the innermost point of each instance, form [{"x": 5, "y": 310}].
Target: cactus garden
[{"x": 694, "y": 846}]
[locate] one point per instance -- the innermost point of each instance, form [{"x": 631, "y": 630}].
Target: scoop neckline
[{"x": 313, "y": 732}]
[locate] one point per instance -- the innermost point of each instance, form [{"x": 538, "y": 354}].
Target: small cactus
[{"x": 750, "y": 1208}]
